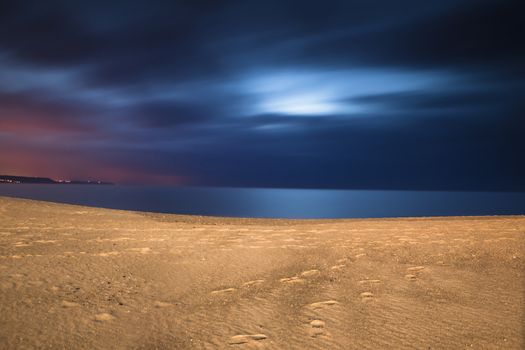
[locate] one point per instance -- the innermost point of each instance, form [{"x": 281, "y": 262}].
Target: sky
[{"x": 412, "y": 95}]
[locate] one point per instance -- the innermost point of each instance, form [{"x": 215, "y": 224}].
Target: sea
[{"x": 276, "y": 203}]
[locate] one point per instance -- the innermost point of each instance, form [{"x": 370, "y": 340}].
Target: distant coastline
[{"x": 12, "y": 179}]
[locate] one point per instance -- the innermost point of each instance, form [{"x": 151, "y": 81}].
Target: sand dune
[{"x": 75, "y": 277}]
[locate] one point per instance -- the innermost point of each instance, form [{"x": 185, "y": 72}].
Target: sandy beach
[{"x": 75, "y": 277}]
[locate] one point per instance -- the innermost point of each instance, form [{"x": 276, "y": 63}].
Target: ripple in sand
[
  {"x": 337, "y": 267},
  {"x": 247, "y": 338}
]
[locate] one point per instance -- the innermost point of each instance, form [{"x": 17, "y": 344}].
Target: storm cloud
[{"x": 332, "y": 94}]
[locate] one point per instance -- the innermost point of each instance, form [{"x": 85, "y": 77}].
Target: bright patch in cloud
[
  {"x": 325, "y": 92},
  {"x": 307, "y": 103}
]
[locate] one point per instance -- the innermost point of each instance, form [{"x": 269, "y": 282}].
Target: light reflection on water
[{"x": 278, "y": 203}]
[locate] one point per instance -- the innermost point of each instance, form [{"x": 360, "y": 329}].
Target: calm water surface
[{"x": 278, "y": 203}]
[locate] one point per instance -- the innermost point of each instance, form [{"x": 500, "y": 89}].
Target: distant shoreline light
[{"x": 13, "y": 179}]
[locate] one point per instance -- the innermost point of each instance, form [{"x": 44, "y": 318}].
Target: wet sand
[{"x": 74, "y": 277}]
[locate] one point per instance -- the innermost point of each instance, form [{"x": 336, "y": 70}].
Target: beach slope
[{"x": 75, "y": 277}]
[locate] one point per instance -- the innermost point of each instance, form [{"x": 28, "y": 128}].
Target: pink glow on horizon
[{"x": 69, "y": 166}]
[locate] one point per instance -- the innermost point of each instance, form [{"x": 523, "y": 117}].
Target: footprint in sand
[
  {"x": 369, "y": 281},
  {"x": 8, "y": 285},
  {"x": 317, "y": 324},
  {"x": 310, "y": 273},
  {"x": 105, "y": 254},
  {"x": 43, "y": 241},
  {"x": 316, "y": 328},
  {"x": 291, "y": 280},
  {"x": 247, "y": 338},
  {"x": 413, "y": 273},
  {"x": 411, "y": 277},
  {"x": 252, "y": 283},
  {"x": 223, "y": 291},
  {"x": 36, "y": 283},
  {"x": 144, "y": 250},
  {"x": 69, "y": 304},
  {"x": 415, "y": 268},
  {"x": 367, "y": 296},
  {"x": 161, "y": 304},
  {"x": 104, "y": 317},
  {"x": 322, "y": 304}
]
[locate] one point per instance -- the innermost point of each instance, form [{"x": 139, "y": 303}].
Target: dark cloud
[
  {"x": 337, "y": 94},
  {"x": 169, "y": 114},
  {"x": 466, "y": 34},
  {"x": 476, "y": 102}
]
